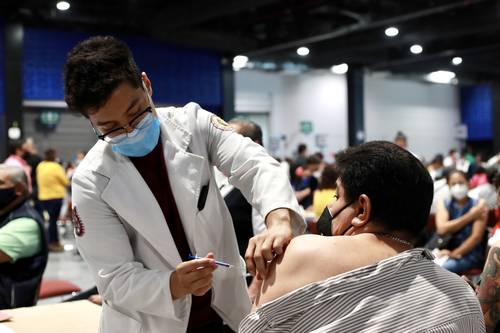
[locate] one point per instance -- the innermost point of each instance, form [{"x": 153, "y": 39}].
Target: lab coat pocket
[
  {"x": 115, "y": 321},
  {"x": 210, "y": 224}
]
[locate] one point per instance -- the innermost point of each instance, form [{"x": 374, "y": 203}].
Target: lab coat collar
[{"x": 174, "y": 130}]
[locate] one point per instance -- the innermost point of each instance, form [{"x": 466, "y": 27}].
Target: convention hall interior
[{"x": 316, "y": 77}]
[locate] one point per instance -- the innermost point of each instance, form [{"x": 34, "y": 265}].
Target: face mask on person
[
  {"x": 140, "y": 142},
  {"x": 325, "y": 221},
  {"x": 459, "y": 191},
  {"x": 437, "y": 173},
  {"x": 7, "y": 195}
]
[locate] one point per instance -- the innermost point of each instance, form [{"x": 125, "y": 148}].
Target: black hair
[
  {"x": 319, "y": 155},
  {"x": 94, "y": 69},
  {"x": 249, "y": 129},
  {"x": 496, "y": 182},
  {"x": 13, "y": 146},
  {"x": 397, "y": 183},
  {"x": 328, "y": 179},
  {"x": 313, "y": 160},
  {"x": 491, "y": 174},
  {"x": 301, "y": 148},
  {"x": 454, "y": 171},
  {"x": 400, "y": 136},
  {"x": 50, "y": 155},
  {"x": 439, "y": 158}
]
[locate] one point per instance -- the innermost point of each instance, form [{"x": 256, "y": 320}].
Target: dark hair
[
  {"x": 397, "y": 183},
  {"x": 301, "y": 148},
  {"x": 400, "y": 136},
  {"x": 14, "y": 145},
  {"x": 313, "y": 160},
  {"x": 328, "y": 179},
  {"x": 50, "y": 155},
  {"x": 491, "y": 174},
  {"x": 454, "y": 171},
  {"x": 249, "y": 129},
  {"x": 496, "y": 182},
  {"x": 438, "y": 159},
  {"x": 319, "y": 155},
  {"x": 94, "y": 69}
]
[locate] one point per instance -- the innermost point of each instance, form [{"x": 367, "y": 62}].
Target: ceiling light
[
  {"x": 239, "y": 62},
  {"x": 63, "y": 5},
  {"x": 441, "y": 76},
  {"x": 416, "y": 49},
  {"x": 302, "y": 51},
  {"x": 340, "y": 69},
  {"x": 391, "y": 32},
  {"x": 456, "y": 61}
]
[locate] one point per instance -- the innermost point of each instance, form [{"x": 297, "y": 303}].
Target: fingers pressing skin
[{"x": 249, "y": 256}]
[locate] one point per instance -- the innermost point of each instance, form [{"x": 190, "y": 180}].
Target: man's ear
[
  {"x": 147, "y": 83},
  {"x": 364, "y": 212}
]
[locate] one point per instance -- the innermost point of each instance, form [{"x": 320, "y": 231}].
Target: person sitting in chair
[
  {"x": 363, "y": 274},
  {"x": 23, "y": 246}
]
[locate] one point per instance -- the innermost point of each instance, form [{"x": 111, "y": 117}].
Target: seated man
[
  {"x": 23, "y": 248},
  {"x": 367, "y": 277}
]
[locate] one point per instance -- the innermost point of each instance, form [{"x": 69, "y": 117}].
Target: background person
[
  {"x": 23, "y": 246},
  {"x": 52, "y": 183},
  {"x": 462, "y": 221}
]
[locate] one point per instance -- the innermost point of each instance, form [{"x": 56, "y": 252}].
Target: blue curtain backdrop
[
  {"x": 476, "y": 104},
  {"x": 179, "y": 75}
]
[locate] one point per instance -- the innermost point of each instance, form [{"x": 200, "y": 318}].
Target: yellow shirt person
[
  {"x": 52, "y": 181},
  {"x": 326, "y": 190}
]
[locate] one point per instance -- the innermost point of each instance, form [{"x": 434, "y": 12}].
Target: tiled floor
[{"x": 68, "y": 266}]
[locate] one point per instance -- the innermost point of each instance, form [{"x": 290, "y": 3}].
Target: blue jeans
[
  {"x": 461, "y": 265},
  {"x": 53, "y": 208}
]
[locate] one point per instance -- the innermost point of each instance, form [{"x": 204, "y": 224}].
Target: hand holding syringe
[{"x": 220, "y": 263}]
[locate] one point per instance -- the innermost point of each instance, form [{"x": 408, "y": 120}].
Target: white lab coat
[{"x": 126, "y": 240}]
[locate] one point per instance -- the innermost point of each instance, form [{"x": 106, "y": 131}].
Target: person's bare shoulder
[{"x": 308, "y": 258}]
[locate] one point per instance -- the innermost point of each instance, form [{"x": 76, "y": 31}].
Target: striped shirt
[{"x": 404, "y": 293}]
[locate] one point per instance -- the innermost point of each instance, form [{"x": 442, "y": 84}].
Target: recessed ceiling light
[
  {"x": 416, "y": 49},
  {"x": 441, "y": 76},
  {"x": 456, "y": 61},
  {"x": 302, "y": 51},
  {"x": 340, "y": 69},
  {"x": 239, "y": 62},
  {"x": 63, "y": 5},
  {"x": 391, "y": 32}
]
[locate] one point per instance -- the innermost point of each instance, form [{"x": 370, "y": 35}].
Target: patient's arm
[
  {"x": 312, "y": 258},
  {"x": 305, "y": 260}
]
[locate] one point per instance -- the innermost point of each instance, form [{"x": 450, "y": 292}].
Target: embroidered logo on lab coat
[
  {"x": 219, "y": 123},
  {"x": 78, "y": 224}
]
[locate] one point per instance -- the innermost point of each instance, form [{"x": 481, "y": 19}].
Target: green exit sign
[{"x": 306, "y": 127}]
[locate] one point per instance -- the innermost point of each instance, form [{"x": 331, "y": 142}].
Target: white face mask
[{"x": 459, "y": 191}]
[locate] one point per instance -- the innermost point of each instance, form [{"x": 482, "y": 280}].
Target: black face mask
[
  {"x": 324, "y": 223},
  {"x": 7, "y": 195}
]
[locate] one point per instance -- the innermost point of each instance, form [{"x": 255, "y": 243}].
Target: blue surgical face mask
[{"x": 140, "y": 142}]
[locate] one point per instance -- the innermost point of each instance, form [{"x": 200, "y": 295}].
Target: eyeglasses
[{"x": 119, "y": 134}]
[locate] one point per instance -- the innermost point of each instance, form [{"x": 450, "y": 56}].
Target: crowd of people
[{"x": 463, "y": 226}]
